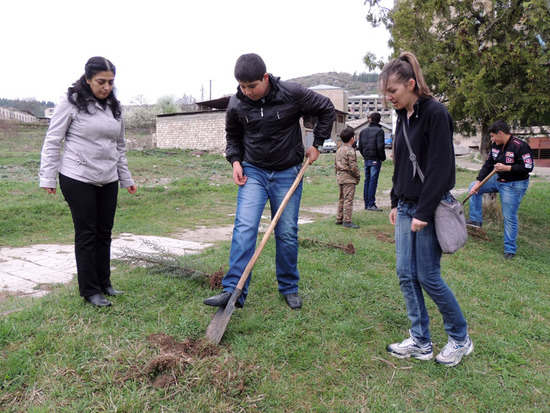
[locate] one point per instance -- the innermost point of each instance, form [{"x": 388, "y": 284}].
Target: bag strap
[{"x": 412, "y": 156}]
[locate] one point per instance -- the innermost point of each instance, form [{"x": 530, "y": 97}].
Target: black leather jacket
[{"x": 266, "y": 133}]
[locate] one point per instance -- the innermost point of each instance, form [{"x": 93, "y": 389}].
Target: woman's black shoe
[
  {"x": 112, "y": 291},
  {"x": 98, "y": 300}
]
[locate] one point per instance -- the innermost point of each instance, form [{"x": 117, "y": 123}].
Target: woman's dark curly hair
[{"x": 83, "y": 91}]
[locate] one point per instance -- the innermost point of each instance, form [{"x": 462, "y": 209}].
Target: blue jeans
[
  {"x": 418, "y": 269},
  {"x": 511, "y": 194},
  {"x": 372, "y": 170},
  {"x": 260, "y": 186}
]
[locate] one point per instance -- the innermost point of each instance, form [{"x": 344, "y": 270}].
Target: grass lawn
[{"x": 147, "y": 352}]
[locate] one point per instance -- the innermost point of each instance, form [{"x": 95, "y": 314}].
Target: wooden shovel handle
[
  {"x": 274, "y": 221},
  {"x": 494, "y": 171}
]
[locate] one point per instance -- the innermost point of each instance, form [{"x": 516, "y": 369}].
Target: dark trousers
[{"x": 93, "y": 211}]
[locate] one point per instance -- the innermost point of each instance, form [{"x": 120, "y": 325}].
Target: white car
[{"x": 329, "y": 146}]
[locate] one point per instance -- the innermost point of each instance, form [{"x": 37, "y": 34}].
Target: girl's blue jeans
[{"x": 418, "y": 269}]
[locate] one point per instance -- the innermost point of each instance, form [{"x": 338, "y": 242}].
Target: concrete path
[{"x": 29, "y": 271}]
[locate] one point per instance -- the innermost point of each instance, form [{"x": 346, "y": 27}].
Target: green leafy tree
[
  {"x": 487, "y": 60},
  {"x": 167, "y": 104}
]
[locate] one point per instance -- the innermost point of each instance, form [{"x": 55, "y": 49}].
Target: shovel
[
  {"x": 494, "y": 171},
  {"x": 217, "y": 326}
]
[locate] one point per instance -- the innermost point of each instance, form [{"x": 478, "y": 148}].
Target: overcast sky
[{"x": 176, "y": 47}]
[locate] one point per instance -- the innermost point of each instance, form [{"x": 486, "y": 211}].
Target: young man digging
[{"x": 264, "y": 146}]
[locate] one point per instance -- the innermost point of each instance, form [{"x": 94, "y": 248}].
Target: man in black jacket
[
  {"x": 513, "y": 161},
  {"x": 371, "y": 146},
  {"x": 265, "y": 148}
]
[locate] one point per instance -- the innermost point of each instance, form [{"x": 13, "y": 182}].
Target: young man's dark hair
[
  {"x": 347, "y": 134},
  {"x": 375, "y": 117},
  {"x": 250, "y": 67},
  {"x": 499, "y": 126}
]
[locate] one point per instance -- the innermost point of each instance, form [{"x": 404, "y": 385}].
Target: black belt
[{"x": 409, "y": 200}]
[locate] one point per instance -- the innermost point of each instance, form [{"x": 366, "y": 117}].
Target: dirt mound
[
  {"x": 173, "y": 359},
  {"x": 215, "y": 279}
]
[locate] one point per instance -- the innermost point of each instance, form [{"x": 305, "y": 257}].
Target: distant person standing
[
  {"x": 512, "y": 159},
  {"x": 85, "y": 146},
  {"x": 347, "y": 175},
  {"x": 371, "y": 146}
]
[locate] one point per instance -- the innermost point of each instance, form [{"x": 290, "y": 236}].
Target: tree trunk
[{"x": 485, "y": 144}]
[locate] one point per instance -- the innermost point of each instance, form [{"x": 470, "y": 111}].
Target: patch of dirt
[
  {"x": 478, "y": 233},
  {"x": 215, "y": 279},
  {"x": 170, "y": 366},
  {"x": 308, "y": 243},
  {"x": 385, "y": 236},
  {"x": 187, "y": 349},
  {"x": 173, "y": 359}
]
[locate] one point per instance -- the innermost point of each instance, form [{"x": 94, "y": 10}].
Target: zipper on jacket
[{"x": 262, "y": 112}]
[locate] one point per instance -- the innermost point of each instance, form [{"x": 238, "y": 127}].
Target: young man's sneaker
[
  {"x": 474, "y": 224},
  {"x": 452, "y": 353},
  {"x": 408, "y": 348}
]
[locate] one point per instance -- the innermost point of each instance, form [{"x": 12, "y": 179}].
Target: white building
[
  {"x": 361, "y": 106},
  {"x": 16, "y": 115}
]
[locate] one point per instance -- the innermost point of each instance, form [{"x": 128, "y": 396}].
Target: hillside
[{"x": 362, "y": 84}]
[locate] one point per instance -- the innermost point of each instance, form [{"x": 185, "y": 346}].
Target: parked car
[
  {"x": 329, "y": 146},
  {"x": 388, "y": 139}
]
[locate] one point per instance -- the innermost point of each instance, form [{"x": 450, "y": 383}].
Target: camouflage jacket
[{"x": 345, "y": 165}]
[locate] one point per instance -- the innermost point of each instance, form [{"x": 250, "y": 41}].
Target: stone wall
[
  {"x": 197, "y": 130},
  {"x": 206, "y": 131}
]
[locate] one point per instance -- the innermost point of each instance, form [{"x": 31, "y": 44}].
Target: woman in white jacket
[{"x": 85, "y": 146}]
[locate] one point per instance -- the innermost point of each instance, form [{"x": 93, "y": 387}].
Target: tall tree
[{"x": 487, "y": 60}]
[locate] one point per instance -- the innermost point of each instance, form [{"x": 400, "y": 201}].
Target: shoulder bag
[{"x": 449, "y": 219}]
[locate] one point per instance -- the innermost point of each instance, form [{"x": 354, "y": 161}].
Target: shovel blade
[{"x": 217, "y": 326}]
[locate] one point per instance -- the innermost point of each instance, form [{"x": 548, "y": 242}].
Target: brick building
[{"x": 205, "y": 129}]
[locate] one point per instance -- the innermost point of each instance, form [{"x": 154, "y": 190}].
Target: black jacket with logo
[
  {"x": 516, "y": 153},
  {"x": 267, "y": 133}
]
